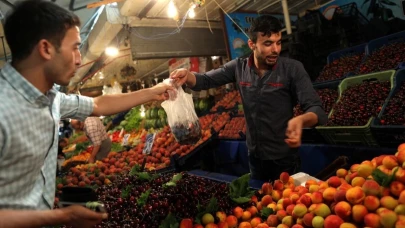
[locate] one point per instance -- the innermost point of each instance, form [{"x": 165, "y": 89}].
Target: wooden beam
[{"x": 104, "y": 2}]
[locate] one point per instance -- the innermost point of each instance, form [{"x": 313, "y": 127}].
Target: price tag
[
  {"x": 125, "y": 140},
  {"x": 150, "y": 138}
]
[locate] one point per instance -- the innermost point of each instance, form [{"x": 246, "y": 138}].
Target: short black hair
[
  {"x": 33, "y": 20},
  {"x": 265, "y": 24}
]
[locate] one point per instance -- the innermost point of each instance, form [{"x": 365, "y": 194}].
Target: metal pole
[
  {"x": 4, "y": 47},
  {"x": 286, "y": 16}
]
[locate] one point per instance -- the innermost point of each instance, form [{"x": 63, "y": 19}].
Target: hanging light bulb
[
  {"x": 191, "y": 13},
  {"x": 172, "y": 11},
  {"x": 111, "y": 51}
]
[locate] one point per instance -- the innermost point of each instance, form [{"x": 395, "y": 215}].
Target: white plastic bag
[{"x": 181, "y": 116}]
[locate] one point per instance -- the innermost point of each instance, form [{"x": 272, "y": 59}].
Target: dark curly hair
[{"x": 265, "y": 24}]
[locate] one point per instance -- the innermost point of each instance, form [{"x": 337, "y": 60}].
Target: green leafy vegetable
[
  {"x": 173, "y": 181},
  {"x": 383, "y": 179},
  {"x": 93, "y": 205},
  {"x": 116, "y": 147},
  {"x": 211, "y": 208},
  {"x": 134, "y": 170},
  {"x": 143, "y": 198},
  {"x": 169, "y": 222},
  {"x": 239, "y": 190},
  {"x": 126, "y": 191},
  {"x": 133, "y": 118},
  {"x": 265, "y": 212}
]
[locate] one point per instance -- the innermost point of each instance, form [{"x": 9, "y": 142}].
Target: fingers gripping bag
[{"x": 181, "y": 116}]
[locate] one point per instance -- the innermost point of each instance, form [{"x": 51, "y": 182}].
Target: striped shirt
[
  {"x": 95, "y": 131},
  {"x": 29, "y": 122}
]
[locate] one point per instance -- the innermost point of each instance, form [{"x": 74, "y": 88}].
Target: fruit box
[
  {"x": 311, "y": 135},
  {"x": 354, "y": 135},
  {"x": 348, "y": 51},
  {"x": 379, "y": 42},
  {"x": 389, "y": 135}
]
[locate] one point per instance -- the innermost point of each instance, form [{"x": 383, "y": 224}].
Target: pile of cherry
[
  {"x": 394, "y": 113},
  {"x": 359, "y": 103},
  {"x": 328, "y": 97},
  {"x": 340, "y": 67}
]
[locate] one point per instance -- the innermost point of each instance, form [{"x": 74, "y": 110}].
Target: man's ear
[
  {"x": 45, "y": 49},
  {"x": 252, "y": 45}
]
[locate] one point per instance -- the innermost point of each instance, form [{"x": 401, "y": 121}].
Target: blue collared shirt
[{"x": 29, "y": 122}]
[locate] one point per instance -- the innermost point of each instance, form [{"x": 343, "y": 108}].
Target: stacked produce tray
[
  {"x": 354, "y": 135},
  {"x": 379, "y": 59},
  {"x": 390, "y": 135}
]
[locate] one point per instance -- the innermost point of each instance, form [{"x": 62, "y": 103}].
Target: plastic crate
[
  {"x": 390, "y": 135},
  {"x": 348, "y": 51},
  {"x": 354, "y": 135},
  {"x": 379, "y": 42},
  {"x": 350, "y": 10}
]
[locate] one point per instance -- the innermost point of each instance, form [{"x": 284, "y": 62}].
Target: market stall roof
[{"x": 116, "y": 23}]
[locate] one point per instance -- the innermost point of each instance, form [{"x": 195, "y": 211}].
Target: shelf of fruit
[
  {"x": 340, "y": 68},
  {"x": 220, "y": 121},
  {"x": 235, "y": 129},
  {"x": 229, "y": 101},
  {"x": 369, "y": 194},
  {"x": 386, "y": 57}
]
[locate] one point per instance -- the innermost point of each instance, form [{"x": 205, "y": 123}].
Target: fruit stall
[{"x": 150, "y": 179}]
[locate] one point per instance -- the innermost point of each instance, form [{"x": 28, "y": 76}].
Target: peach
[
  {"x": 322, "y": 210},
  {"x": 365, "y": 170},
  {"x": 343, "y": 209},
  {"x": 287, "y": 220},
  {"x": 286, "y": 202},
  {"x": 390, "y": 161},
  {"x": 199, "y": 226},
  {"x": 388, "y": 202},
  {"x": 300, "y": 210},
  {"x": 287, "y": 193},
  {"x": 372, "y": 220},
  {"x": 323, "y": 184},
  {"x": 282, "y": 226},
  {"x": 371, "y": 187},
  {"x": 358, "y": 181},
  {"x": 290, "y": 209},
  {"x": 400, "y": 224},
  {"x": 317, "y": 222},
  {"x": 278, "y": 185},
  {"x": 401, "y": 156},
  {"x": 388, "y": 218},
  {"x": 238, "y": 212},
  {"x": 245, "y": 225},
  {"x": 310, "y": 182},
  {"x": 294, "y": 197},
  {"x": 276, "y": 195},
  {"x": 345, "y": 186},
  {"x": 400, "y": 174},
  {"x": 284, "y": 177},
  {"x": 334, "y": 182},
  {"x": 313, "y": 188},
  {"x": 329, "y": 194},
  {"x": 255, "y": 221},
  {"x": 372, "y": 203},
  {"x": 262, "y": 225},
  {"x": 186, "y": 223},
  {"x": 333, "y": 221},
  {"x": 350, "y": 177},
  {"x": 272, "y": 206},
  {"x": 213, "y": 225},
  {"x": 384, "y": 170},
  {"x": 267, "y": 188},
  {"x": 347, "y": 225},
  {"x": 354, "y": 168},
  {"x": 355, "y": 195},
  {"x": 232, "y": 221},
  {"x": 223, "y": 225},
  {"x": 306, "y": 200},
  {"x": 341, "y": 173},
  {"x": 281, "y": 214},
  {"x": 259, "y": 206},
  {"x": 400, "y": 209},
  {"x": 401, "y": 198},
  {"x": 396, "y": 188},
  {"x": 297, "y": 226},
  {"x": 253, "y": 210},
  {"x": 221, "y": 216},
  {"x": 401, "y": 147},
  {"x": 340, "y": 195},
  {"x": 246, "y": 216},
  {"x": 307, "y": 219},
  {"x": 301, "y": 190},
  {"x": 279, "y": 206},
  {"x": 266, "y": 200},
  {"x": 316, "y": 197},
  {"x": 272, "y": 220},
  {"x": 358, "y": 213},
  {"x": 254, "y": 199},
  {"x": 384, "y": 191}
]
